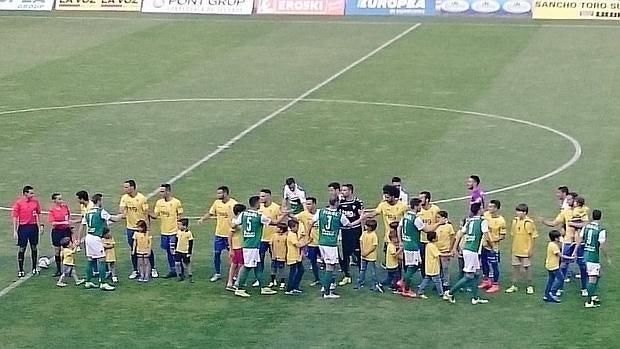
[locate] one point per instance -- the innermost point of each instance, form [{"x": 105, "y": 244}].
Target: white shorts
[
  {"x": 412, "y": 258},
  {"x": 472, "y": 261},
  {"x": 594, "y": 269},
  {"x": 94, "y": 246},
  {"x": 329, "y": 254},
  {"x": 251, "y": 257}
]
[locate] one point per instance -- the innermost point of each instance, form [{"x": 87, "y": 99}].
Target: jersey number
[
  {"x": 248, "y": 224},
  {"x": 328, "y": 225}
]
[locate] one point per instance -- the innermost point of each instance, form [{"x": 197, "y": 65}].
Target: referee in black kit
[{"x": 352, "y": 208}]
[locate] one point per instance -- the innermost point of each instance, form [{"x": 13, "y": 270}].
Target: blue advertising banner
[
  {"x": 390, "y": 7},
  {"x": 485, "y": 7}
]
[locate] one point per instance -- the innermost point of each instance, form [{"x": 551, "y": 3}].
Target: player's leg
[
  {"x": 134, "y": 257},
  {"x": 594, "y": 271},
  {"x": 485, "y": 264},
  {"x": 313, "y": 252},
  {"x": 422, "y": 259},
  {"x": 347, "y": 250},
  {"x": 166, "y": 242},
  {"x": 112, "y": 269},
  {"x": 583, "y": 271},
  {"x": 219, "y": 245},
  {"x": 494, "y": 260}
]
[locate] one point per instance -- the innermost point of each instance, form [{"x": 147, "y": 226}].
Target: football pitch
[{"x": 88, "y": 102}]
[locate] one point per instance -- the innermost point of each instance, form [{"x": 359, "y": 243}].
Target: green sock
[
  {"x": 591, "y": 290},
  {"x": 258, "y": 272},
  {"x": 409, "y": 276},
  {"x": 102, "y": 273},
  {"x": 243, "y": 276},
  {"x": 474, "y": 286},
  {"x": 89, "y": 270},
  {"x": 460, "y": 284},
  {"x": 327, "y": 280}
]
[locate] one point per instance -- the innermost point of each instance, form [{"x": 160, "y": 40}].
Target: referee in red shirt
[
  {"x": 59, "y": 217},
  {"x": 26, "y": 220}
]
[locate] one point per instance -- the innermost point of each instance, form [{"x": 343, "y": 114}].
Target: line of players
[{"x": 406, "y": 234}]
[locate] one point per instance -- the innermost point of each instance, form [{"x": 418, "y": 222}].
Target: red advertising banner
[{"x": 301, "y": 7}]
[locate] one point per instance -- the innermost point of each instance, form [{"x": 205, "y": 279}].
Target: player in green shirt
[
  {"x": 96, "y": 221},
  {"x": 409, "y": 229},
  {"x": 473, "y": 231},
  {"x": 252, "y": 222},
  {"x": 594, "y": 237},
  {"x": 330, "y": 221}
]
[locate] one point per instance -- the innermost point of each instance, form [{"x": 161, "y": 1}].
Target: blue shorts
[
  {"x": 581, "y": 255},
  {"x": 27, "y": 234},
  {"x": 492, "y": 256},
  {"x": 567, "y": 250},
  {"x": 168, "y": 242},
  {"x": 220, "y": 244},
  {"x": 264, "y": 247},
  {"x": 130, "y": 233},
  {"x": 277, "y": 265}
]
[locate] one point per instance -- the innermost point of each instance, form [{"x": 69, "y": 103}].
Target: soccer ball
[{"x": 44, "y": 262}]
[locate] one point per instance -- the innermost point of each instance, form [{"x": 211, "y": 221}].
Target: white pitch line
[
  {"x": 288, "y": 106},
  {"x": 576, "y": 155},
  {"x": 253, "y": 126},
  {"x": 527, "y": 23}
]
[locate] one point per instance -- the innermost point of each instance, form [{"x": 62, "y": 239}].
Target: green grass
[{"x": 559, "y": 77}]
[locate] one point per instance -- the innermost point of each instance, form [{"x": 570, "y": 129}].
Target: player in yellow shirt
[
  {"x": 69, "y": 248},
  {"x": 524, "y": 234},
  {"x": 433, "y": 265},
  {"x": 294, "y": 245},
  {"x": 274, "y": 211},
  {"x": 577, "y": 222},
  {"x": 110, "y": 255},
  {"x": 235, "y": 241},
  {"x": 428, "y": 213},
  {"x": 278, "y": 255},
  {"x": 305, "y": 218},
  {"x": 134, "y": 207},
  {"x": 445, "y": 240},
  {"x": 85, "y": 206},
  {"x": 563, "y": 221},
  {"x": 222, "y": 211},
  {"x": 168, "y": 210},
  {"x": 368, "y": 248},
  {"x": 142, "y": 249},
  {"x": 391, "y": 210},
  {"x": 184, "y": 249},
  {"x": 490, "y": 256}
]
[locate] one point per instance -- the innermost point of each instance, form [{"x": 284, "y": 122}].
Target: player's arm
[
  {"x": 209, "y": 214},
  {"x": 154, "y": 214},
  {"x": 230, "y": 236},
  {"x": 457, "y": 239},
  {"x": 556, "y": 223}
]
